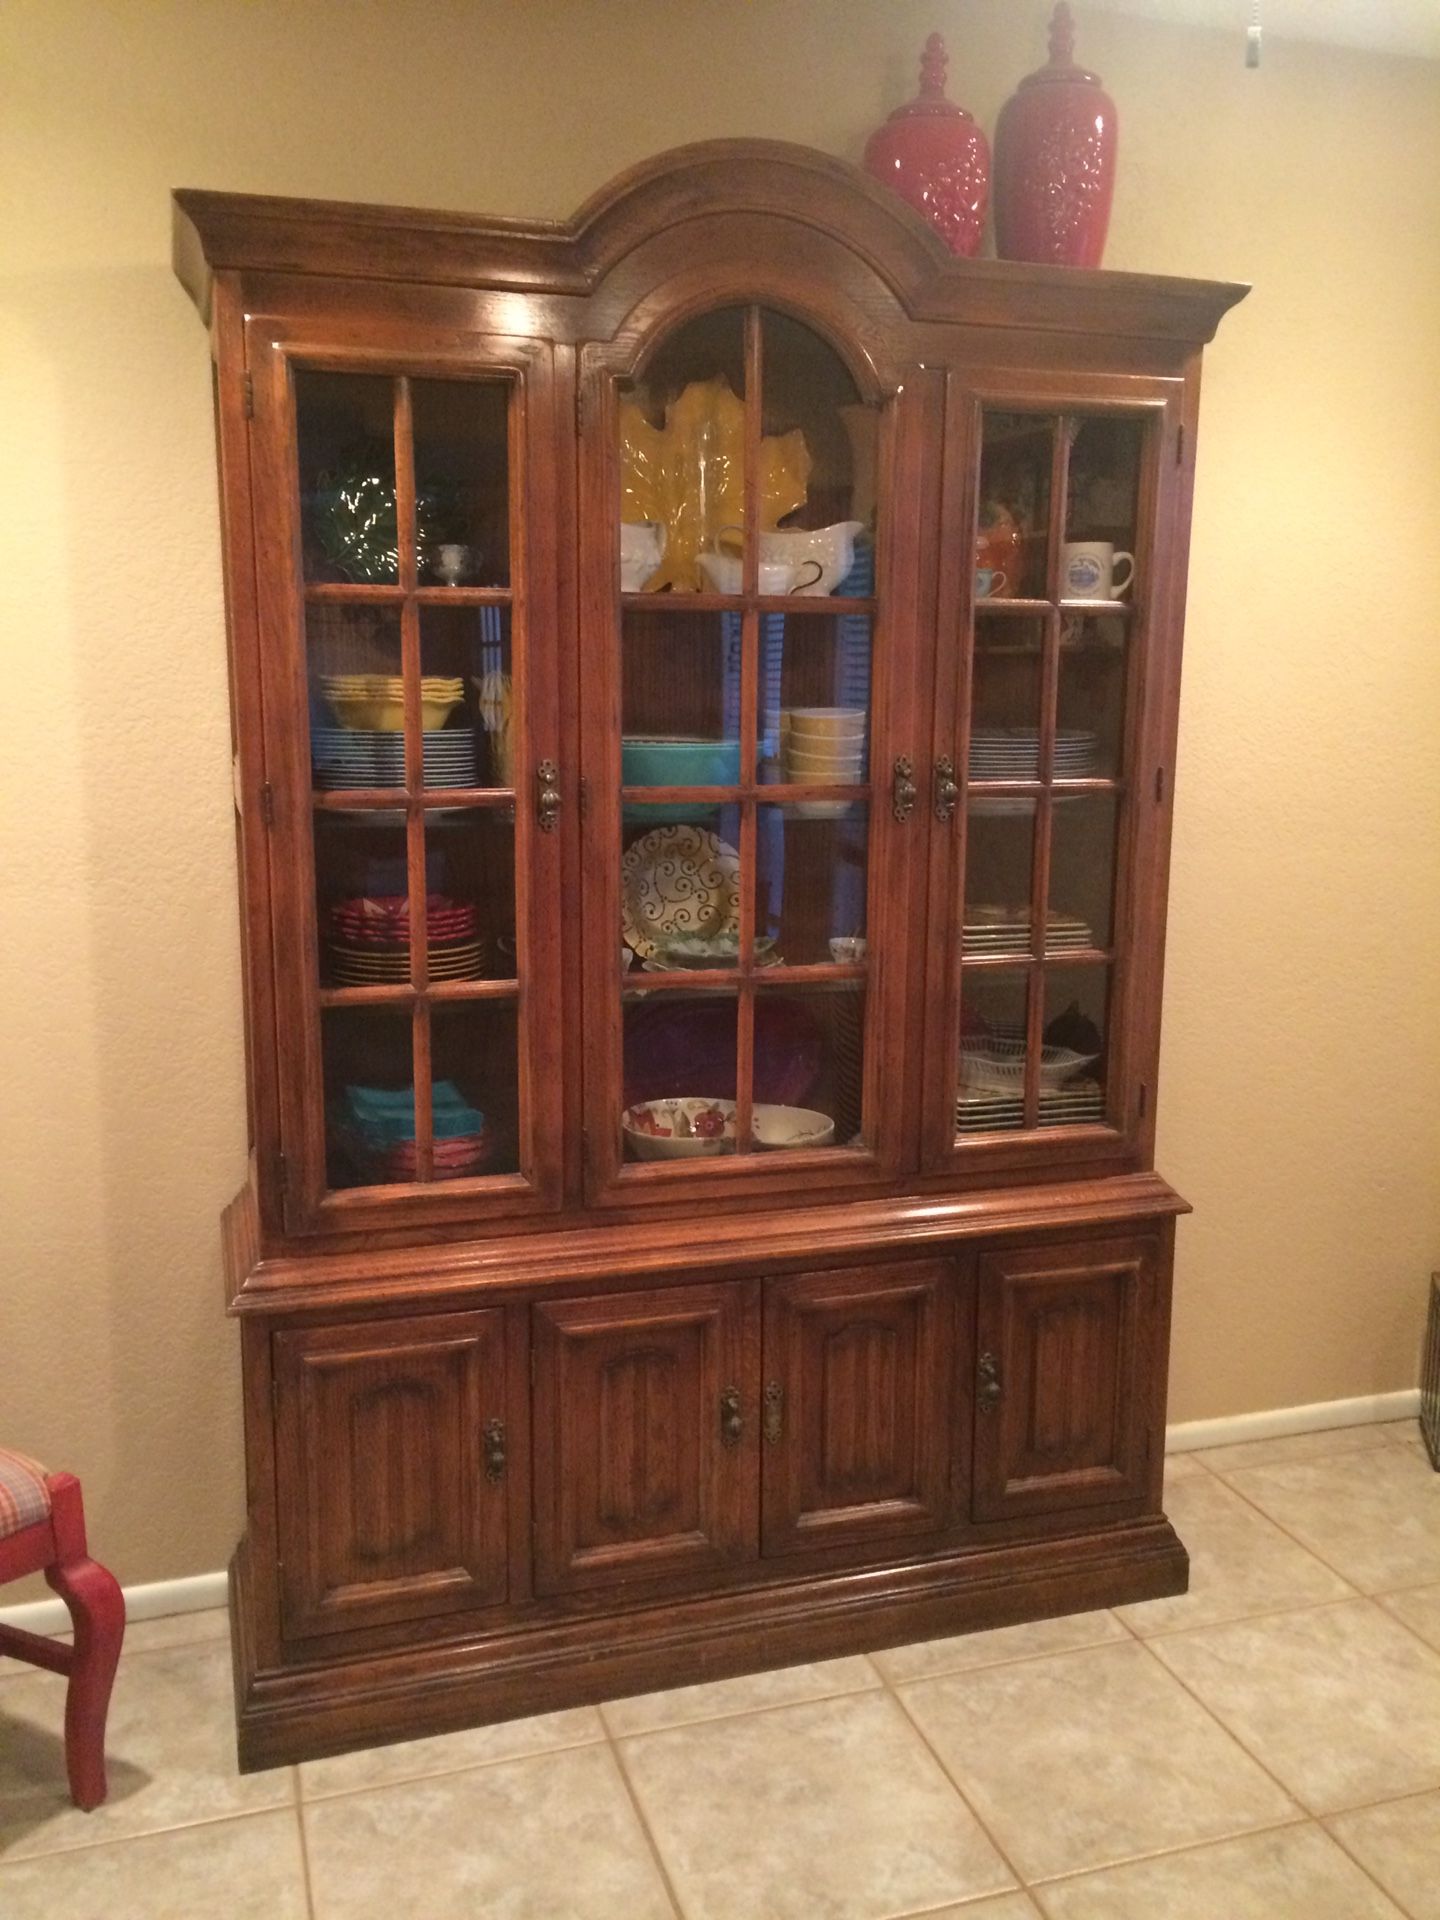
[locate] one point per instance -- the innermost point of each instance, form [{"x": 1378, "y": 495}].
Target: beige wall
[{"x": 1301, "y": 1103}]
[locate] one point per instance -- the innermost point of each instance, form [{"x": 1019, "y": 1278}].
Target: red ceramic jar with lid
[
  {"x": 934, "y": 155},
  {"x": 1055, "y": 160}
]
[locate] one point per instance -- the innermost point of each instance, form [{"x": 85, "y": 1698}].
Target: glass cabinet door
[
  {"x": 417, "y": 1000},
  {"x": 745, "y": 814},
  {"x": 1056, "y": 615}
]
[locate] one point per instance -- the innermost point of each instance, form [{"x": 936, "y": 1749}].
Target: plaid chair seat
[{"x": 24, "y": 1497}]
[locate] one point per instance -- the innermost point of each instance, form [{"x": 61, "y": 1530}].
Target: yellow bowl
[{"x": 388, "y": 715}]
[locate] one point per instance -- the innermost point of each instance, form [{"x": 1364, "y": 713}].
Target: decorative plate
[{"x": 677, "y": 882}]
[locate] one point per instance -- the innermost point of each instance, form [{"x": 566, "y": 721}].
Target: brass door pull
[
  {"x": 989, "y": 1391},
  {"x": 774, "y": 1418},
  {"x": 732, "y": 1421},
  {"x": 946, "y": 791},
  {"x": 495, "y": 1450},
  {"x": 903, "y": 792},
  {"x": 547, "y": 800}
]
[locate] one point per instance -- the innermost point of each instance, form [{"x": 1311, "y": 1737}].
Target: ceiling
[{"x": 1386, "y": 26}]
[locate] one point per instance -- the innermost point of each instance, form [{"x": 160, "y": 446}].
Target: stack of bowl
[
  {"x": 375, "y": 702},
  {"x": 822, "y": 747},
  {"x": 675, "y": 760}
]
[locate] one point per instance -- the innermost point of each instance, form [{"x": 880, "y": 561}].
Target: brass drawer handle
[
  {"x": 946, "y": 791},
  {"x": 732, "y": 1421},
  {"x": 774, "y": 1419},
  {"x": 903, "y": 792},
  {"x": 495, "y": 1450},
  {"x": 547, "y": 802},
  {"x": 990, "y": 1389}
]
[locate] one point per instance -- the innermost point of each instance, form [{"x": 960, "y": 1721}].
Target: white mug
[
  {"x": 1087, "y": 569},
  {"x": 642, "y": 548}
]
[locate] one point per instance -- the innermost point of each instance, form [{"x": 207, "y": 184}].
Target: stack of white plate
[
  {"x": 359, "y": 757},
  {"x": 982, "y": 1110},
  {"x": 1007, "y": 930},
  {"x": 1013, "y": 753}
]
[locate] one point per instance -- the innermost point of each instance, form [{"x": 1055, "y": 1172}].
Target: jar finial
[
  {"x": 934, "y": 62},
  {"x": 1062, "y": 36}
]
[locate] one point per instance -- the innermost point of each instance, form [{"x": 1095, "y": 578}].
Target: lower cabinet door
[
  {"x": 390, "y": 1464},
  {"x": 1064, "y": 1382},
  {"x": 646, "y": 1435},
  {"x": 858, "y": 1397}
]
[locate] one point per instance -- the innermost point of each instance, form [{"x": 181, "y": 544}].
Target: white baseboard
[
  {"x": 1361, "y": 1412},
  {"x": 149, "y": 1602},
  {"x": 203, "y": 1590}
]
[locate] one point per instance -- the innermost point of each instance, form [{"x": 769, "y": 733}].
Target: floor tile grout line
[
  {"x": 1314, "y": 1552},
  {"x": 1246, "y": 1619},
  {"x": 145, "y": 1833},
  {"x": 1339, "y": 1840},
  {"x": 305, "y": 1873},
  {"x": 1289, "y": 1824},
  {"x": 732, "y": 1713},
  {"x": 1280, "y": 1526},
  {"x": 671, "y": 1891},
  {"x": 1009, "y": 1660},
  {"x": 1310, "y": 1812},
  {"x": 1001, "y": 1852},
  {"x": 314, "y": 1799},
  {"x": 1197, "y": 1454}
]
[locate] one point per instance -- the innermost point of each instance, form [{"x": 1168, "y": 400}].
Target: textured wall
[{"x": 1301, "y": 1103}]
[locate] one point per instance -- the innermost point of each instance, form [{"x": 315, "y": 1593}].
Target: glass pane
[
  {"x": 1072, "y": 1080},
  {"x": 1101, "y": 516},
  {"x": 1082, "y": 868},
  {"x": 1005, "y": 685},
  {"x": 362, "y": 899},
  {"x": 357, "y": 703},
  {"x": 819, "y": 440},
  {"x": 1014, "y": 517},
  {"x": 811, "y": 860},
  {"x": 679, "y": 1074},
  {"x": 1093, "y": 672},
  {"x": 467, "y": 696},
  {"x": 814, "y": 698},
  {"x": 680, "y": 706},
  {"x": 462, "y": 484},
  {"x": 345, "y": 424},
  {"x": 470, "y": 908},
  {"x": 680, "y": 889},
  {"x": 474, "y": 1062},
  {"x": 991, "y": 1091},
  {"x": 682, "y": 461},
  {"x": 999, "y": 861},
  {"x": 367, "y": 1060},
  {"x": 809, "y": 1066}
]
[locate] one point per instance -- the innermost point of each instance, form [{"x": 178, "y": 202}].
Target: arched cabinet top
[{"x": 739, "y": 182}]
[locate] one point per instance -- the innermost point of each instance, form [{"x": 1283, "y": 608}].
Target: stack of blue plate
[
  {"x": 377, "y": 1126},
  {"x": 357, "y": 757}
]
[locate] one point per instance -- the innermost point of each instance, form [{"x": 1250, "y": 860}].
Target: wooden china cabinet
[{"x": 703, "y": 853}]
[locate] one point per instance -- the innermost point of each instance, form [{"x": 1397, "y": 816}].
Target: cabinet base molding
[{"x": 310, "y": 1711}]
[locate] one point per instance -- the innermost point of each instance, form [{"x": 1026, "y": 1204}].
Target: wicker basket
[{"x": 1430, "y": 1377}]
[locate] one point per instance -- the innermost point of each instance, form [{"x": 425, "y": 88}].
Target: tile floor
[{"x": 1265, "y": 1748}]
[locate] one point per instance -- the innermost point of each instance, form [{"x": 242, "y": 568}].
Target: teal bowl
[{"x": 647, "y": 762}]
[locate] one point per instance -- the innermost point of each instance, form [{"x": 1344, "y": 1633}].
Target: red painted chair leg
[{"x": 97, "y": 1608}]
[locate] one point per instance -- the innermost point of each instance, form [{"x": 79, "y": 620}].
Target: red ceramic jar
[
  {"x": 1055, "y": 161},
  {"x": 934, "y": 155}
]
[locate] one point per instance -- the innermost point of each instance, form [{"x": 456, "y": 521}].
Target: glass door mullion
[
  {"x": 749, "y": 736},
  {"x": 414, "y": 776}
]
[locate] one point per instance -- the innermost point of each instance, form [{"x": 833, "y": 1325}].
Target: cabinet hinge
[
  {"x": 1180, "y": 445},
  {"x": 267, "y": 803},
  {"x": 247, "y": 395},
  {"x": 1159, "y": 784}
]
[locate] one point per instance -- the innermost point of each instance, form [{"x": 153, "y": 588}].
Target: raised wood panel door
[
  {"x": 857, "y": 1404},
  {"x": 1063, "y": 1387},
  {"x": 391, "y": 1462},
  {"x": 646, "y": 1435}
]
